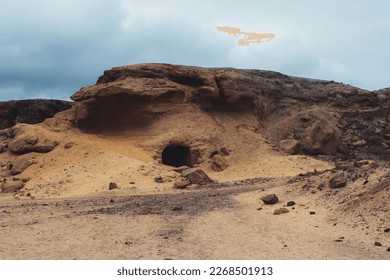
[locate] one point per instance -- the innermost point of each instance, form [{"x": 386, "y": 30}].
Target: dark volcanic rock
[
  {"x": 29, "y": 111},
  {"x": 270, "y": 199},
  {"x": 112, "y": 186},
  {"x": 290, "y": 203}
]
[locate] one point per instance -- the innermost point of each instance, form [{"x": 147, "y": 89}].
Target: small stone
[
  {"x": 359, "y": 143},
  {"x": 312, "y": 213},
  {"x": 112, "y": 201},
  {"x": 270, "y": 199},
  {"x": 387, "y": 230},
  {"x": 218, "y": 163},
  {"x": 281, "y": 211},
  {"x": 159, "y": 180},
  {"x": 338, "y": 181},
  {"x": 69, "y": 145},
  {"x": 224, "y": 151},
  {"x": 112, "y": 186},
  {"x": 145, "y": 211},
  {"x": 291, "y": 203},
  {"x": 260, "y": 208},
  {"x": 213, "y": 153},
  {"x": 388, "y": 249},
  {"x": 377, "y": 244},
  {"x": 177, "y": 208}
]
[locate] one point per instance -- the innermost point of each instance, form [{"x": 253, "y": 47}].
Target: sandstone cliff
[{"x": 324, "y": 117}]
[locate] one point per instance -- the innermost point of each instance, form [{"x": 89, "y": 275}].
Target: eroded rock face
[
  {"x": 324, "y": 117},
  {"x": 29, "y": 111}
]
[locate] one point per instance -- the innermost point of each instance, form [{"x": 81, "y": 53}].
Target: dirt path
[{"x": 218, "y": 222}]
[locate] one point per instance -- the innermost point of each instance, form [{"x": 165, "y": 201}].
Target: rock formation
[
  {"x": 29, "y": 111},
  {"x": 324, "y": 117}
]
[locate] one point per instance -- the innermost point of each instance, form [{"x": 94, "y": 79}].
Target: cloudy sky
[{"x": 51, "y": 48}]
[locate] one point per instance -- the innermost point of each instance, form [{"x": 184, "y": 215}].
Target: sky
[{"x": 52, "y": 48}]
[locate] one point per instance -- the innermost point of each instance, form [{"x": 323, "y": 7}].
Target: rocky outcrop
[
  {"x": 29, "y": 111},
  {"x": 23, "y": 139},
  {"x": 324, "y": 117},
  {"x": 321, "y": 117}
]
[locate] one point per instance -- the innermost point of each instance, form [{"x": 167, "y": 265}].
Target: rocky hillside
[
  {"x": 29, "y": 111},
  {"x": 296, "y": 115}
]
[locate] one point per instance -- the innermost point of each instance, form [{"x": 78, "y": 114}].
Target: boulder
[
  {"x": 322, "y": 137},
  {"x": 338, "y": 181},
  {"x": 10, "y": 186},
  {"x": 196, "y": 176},
  {"x": 224, "y": 151},
  {"x": 270, "y": 199},
  {"x": 218, "y": 163},
  {"x": 20, "y": 164},
  {"x": 289, "y": 146},
  {"x": 33, "y": 140}
]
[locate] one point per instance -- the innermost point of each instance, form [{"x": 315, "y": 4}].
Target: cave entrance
[{"x": 177, "y": 155}]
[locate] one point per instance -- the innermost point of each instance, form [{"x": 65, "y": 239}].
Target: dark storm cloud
[{"x": 52, "y": 48}]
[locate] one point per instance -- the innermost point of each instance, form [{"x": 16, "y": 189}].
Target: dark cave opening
[{"x": 177, "y": 155}]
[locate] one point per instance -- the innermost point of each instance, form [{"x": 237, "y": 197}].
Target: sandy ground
[
  {"x": 66, "y": 211},
  {"x": 219, "y": 222}
]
